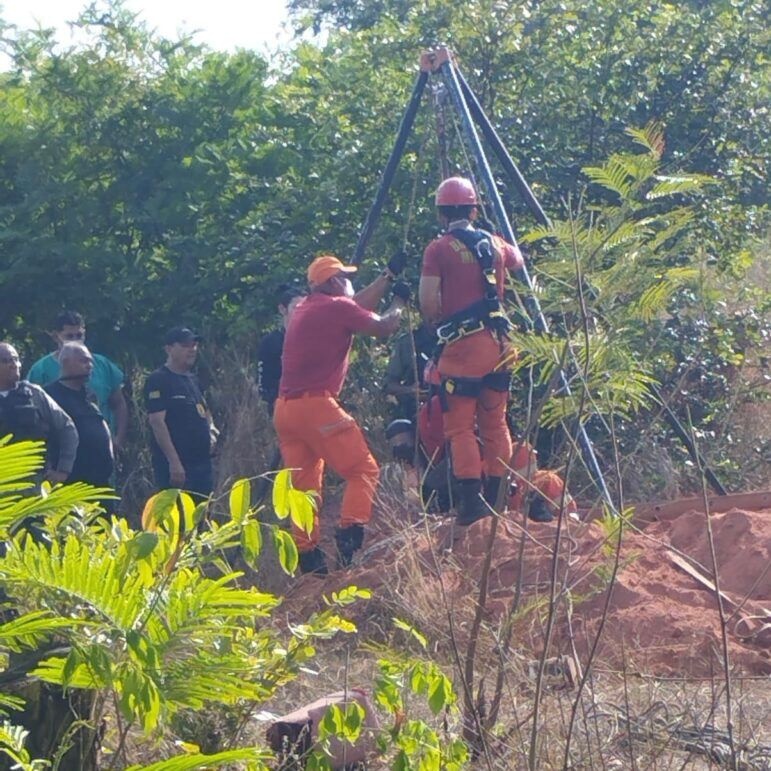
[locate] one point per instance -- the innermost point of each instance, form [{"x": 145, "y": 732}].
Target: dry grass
[{"x": 623, "y": 720}]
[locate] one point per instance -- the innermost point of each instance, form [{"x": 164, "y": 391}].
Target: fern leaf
[
  {"x": 536, "y": 234},
  {"x": 60, "y": 501},
  {"x": 651, "y": 138},
  {"x": 9, "y": 702},
  {"x": 78, "y": 571},
  {"x": 52, "y": 670},
  {"x": 611, "y": 176},
  {"x": 33, "y": 628},
  {"x": 200, "y": 761},
  {"x": 629, "y": 230},
  {"x": 677, "y": 185},
  {"x": 670, "y": 226},
  {"x": 655, "y": 298}
]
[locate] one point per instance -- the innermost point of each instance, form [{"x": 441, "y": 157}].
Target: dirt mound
[{"x": 659, "y": 620}]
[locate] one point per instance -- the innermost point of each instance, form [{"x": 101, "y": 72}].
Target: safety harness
[{"x": 486, "y": 313}]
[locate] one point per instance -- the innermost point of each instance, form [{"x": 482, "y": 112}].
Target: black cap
[{"x": 181, "y": 335}]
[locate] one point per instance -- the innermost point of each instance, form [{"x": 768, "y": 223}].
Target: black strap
[
  {"x": 462, "y": 386},
  {"x": 489, "y": 310},
  {"x": 479, "y": 244},
  {"x": 497, "y": 381}
]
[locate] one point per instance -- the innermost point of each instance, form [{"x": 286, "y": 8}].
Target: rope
[
  {"x": 469, "y": 164},
  {"x": 414, "y": 191},
  {"x": 440, "y": 95}
]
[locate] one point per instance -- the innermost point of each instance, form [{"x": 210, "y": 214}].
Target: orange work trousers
[
  {"x": 314, "y": 431},
  {"x": 474, "y": 357}
]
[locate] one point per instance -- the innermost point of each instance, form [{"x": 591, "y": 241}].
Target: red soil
[{"x": 660, "y": 620}]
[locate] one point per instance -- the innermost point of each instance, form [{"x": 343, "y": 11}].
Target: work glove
[
  {"x": 397, "y": 262},
  {"x": 401, "y": 289}
]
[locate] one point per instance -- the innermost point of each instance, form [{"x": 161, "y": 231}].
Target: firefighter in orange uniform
[
  {"x": 313, "y": 429},
  {"x": 461, "y": 291}
]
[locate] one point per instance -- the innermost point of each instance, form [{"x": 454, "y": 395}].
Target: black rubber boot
[
  {"x": 490, "y": 490},
  {"x": 349, "y": 539},
  {"x": 471, "y": 507},
  {"x": 538, "y": 510},
  {"x": 313, "y": 562}
]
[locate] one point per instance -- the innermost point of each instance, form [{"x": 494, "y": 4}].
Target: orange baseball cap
[{"x": 326, "y": 266}]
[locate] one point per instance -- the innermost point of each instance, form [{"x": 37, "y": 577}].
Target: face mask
[{"x": 348, "y": 288}]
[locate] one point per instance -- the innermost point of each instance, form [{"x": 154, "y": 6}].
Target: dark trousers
[{"x": 198, "y": 476}]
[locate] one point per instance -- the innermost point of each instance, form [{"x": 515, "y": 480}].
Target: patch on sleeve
[{"x": 154, "y": 395}]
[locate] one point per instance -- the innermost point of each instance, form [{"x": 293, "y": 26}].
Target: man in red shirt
[
  {"x": 461, "y": 289},
  {"x": 313, "y": 429}
]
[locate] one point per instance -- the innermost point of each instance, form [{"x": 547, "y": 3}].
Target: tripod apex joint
[{"x": 433, "y": 59}]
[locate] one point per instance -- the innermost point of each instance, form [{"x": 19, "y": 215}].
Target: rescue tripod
[{"x": 439, "y": 64}]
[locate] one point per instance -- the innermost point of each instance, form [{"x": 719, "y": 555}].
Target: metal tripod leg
[
  {"x": 506, "y": 161},
  {"x": 491, "y": 135},
  {"x": 531, "y": 302},
  {"x": 388, "y": 173},
  {"x": 693, "y": 451}
]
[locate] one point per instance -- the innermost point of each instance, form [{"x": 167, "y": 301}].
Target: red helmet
[{"x": 456, "y": 191}]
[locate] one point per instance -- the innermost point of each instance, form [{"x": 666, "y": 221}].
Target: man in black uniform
[
  {"x": 271, "y": 348},
  {"x": 183, "y": 432},
  {"x": 28, "y": 412},
  {"x": 94, "y": 459}
]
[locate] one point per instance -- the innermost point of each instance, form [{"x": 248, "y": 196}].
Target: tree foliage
[
  {"x": 179, "y": 184},
  {"x": 174, "y": 181},
  {"x": 155, "y": 622}
]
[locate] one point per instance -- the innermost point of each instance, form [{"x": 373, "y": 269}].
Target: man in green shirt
[{"x": 106, "y": 379}]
